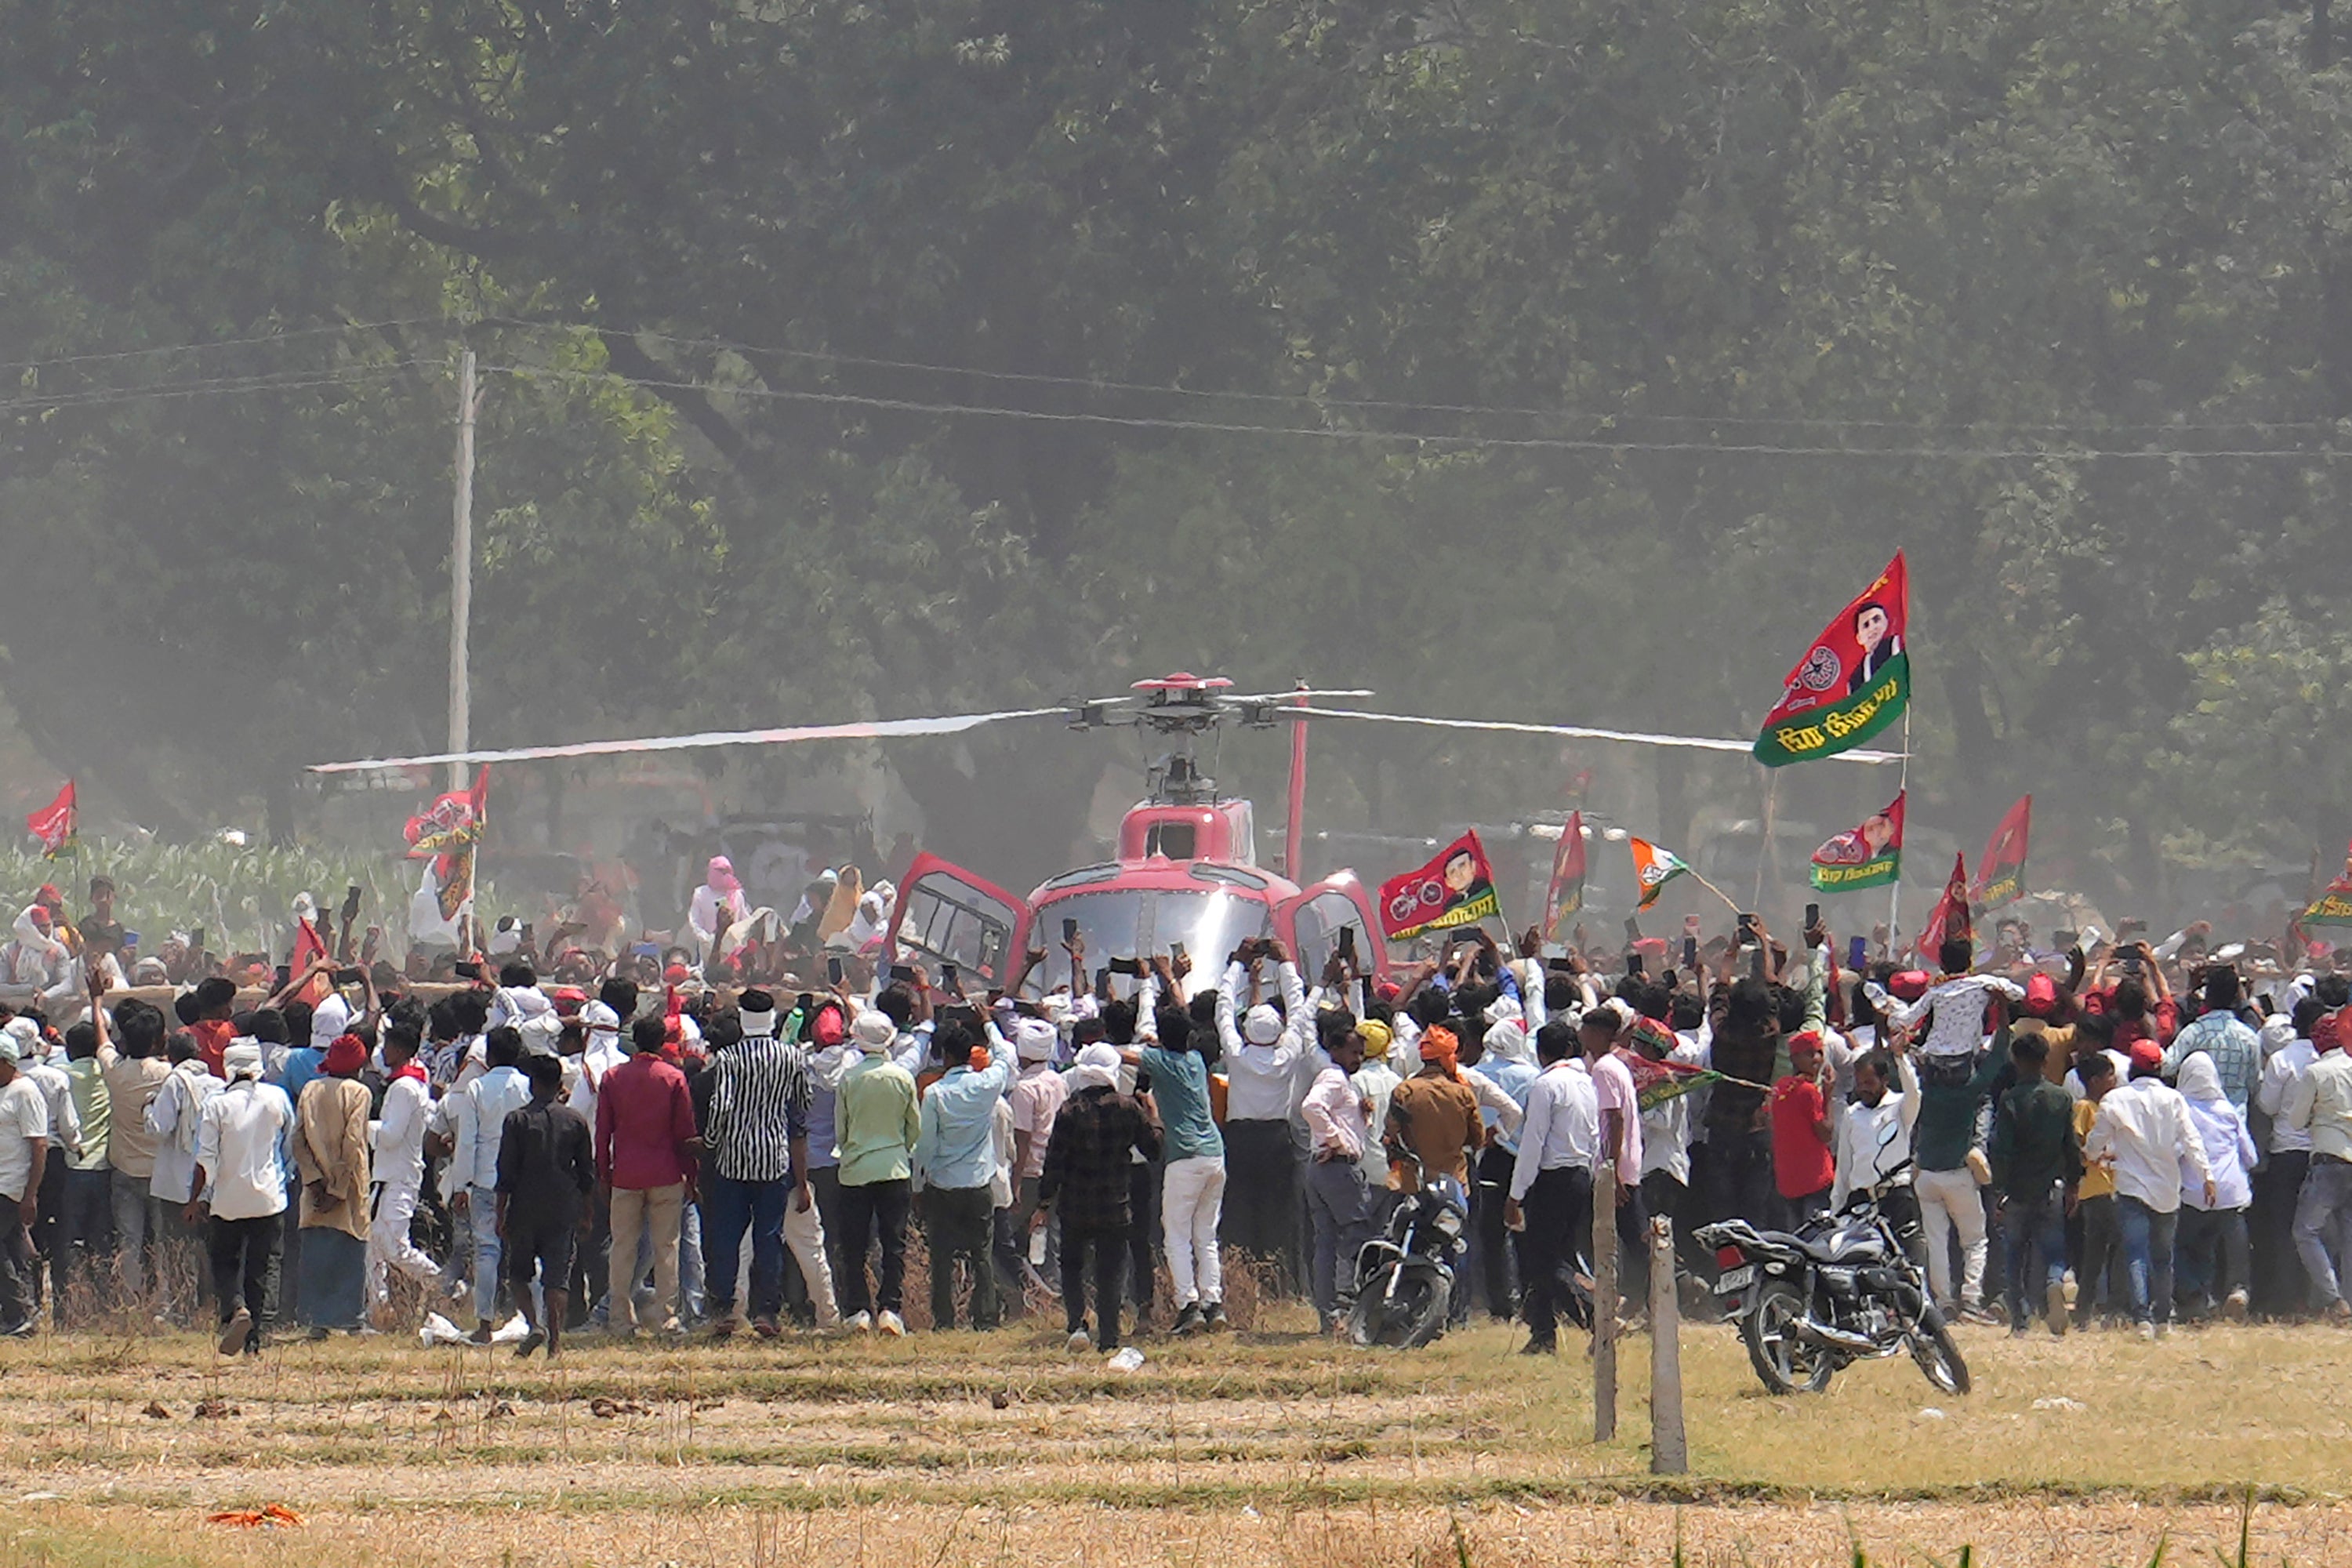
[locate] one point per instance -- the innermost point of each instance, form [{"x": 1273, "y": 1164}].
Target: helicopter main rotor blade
[
  {"x": 867, "y": 730},
  {"x": 1572, "y": 732}
]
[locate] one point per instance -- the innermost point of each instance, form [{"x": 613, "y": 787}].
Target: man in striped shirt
[{"x": 756, "y": 1132}]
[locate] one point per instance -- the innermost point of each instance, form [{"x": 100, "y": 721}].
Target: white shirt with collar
[
  {"x": 2288, "y": 1063},
  {"x": 1562, "y": 1126},
  {"x": 2145, "y": 1126},
  {"x": 1862, "y": 1159},
  {"x": 481, "y": 1119},
  {"x": 57, "y": 1096},
  {"x": 175, "y": 1116},
  {"x": 400, "y": 1134}
]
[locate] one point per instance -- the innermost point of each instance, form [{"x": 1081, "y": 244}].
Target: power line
[
  {"x": 1093, "y": 383},
  {"x": 1544, "y": 443},
  {"x": 218, "y": 343},
  {"x": 281, "y": 381}
]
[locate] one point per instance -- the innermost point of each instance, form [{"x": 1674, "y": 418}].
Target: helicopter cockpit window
[
  {"x": 1318, "y": 922},
  {"x": 951, "y": 921},
  {"x": 1129, "y": 921},
  {"x": 1176, "y": 840}
]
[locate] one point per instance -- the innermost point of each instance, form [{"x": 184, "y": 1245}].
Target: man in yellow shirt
[{"x": 2100, "y": 1271}]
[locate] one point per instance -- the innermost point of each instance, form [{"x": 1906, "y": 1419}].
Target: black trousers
[
  {"x": 2282, "y": 1287},
  {"x": 1264, "y": 1198},
  {"x": 960, "y": 1224},
  {"x": 1740, "y": 1176},
  {"x": 1491, "y": 1185},
  {"x": 245, "y": 1256},
  {"x": 1558, "y": 1214},
  {"x": 19, "y": 1268},
  {"x": 1109, "y": 1247},
  {"x": 1142, "y": 1231},
  {"x": 877, "y": 1206}
]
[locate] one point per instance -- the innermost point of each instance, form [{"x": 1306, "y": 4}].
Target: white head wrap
[{"x": 1097, "y": 1068}]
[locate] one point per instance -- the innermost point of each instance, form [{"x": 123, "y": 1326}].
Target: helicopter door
[
  {"x": 1315, "y": 919},
  {"x": 947, "y": 915}
]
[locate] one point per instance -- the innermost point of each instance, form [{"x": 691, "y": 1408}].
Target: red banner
[
  {"x": 1564, "y": 900},
  {"x": 1853, "y": 681},
  {"x": 445, "y": 833},
  {"x": 55, "y": 824},
  {"x": 1949, "y": 917},
  {"x": 1456, "y": 888},
  {"x": 2000, "y": 875}
]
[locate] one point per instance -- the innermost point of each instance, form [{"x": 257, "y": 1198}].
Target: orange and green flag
[
  {"x": 1653, "y": 868},
  {"x": 1853, "y": 681}
]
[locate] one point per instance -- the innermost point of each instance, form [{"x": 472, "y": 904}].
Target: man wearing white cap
[
  {"x": 24, "y": 1154},
  {"x": 757, "y": 1132},
  {"x": 1264, "y": 1055},
  {"x": 1035, "y": 1097},
  {"x": 877, "y": 1124},
  {"x": 244, "y": 1144}
]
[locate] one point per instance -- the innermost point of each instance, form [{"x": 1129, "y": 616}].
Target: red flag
[
  {"x": 1949, "y": 917},
  {"x": 445, "y": 833},
  {"x": 2000, "y": 875},
  {"x": 1564, "y": 900},
  {"x": 1853, "y": 681},
  {"x": 1456, "y": 888},
  {"x": 57, "y": 824}
]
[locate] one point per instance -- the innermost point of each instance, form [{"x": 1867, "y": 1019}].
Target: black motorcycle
[
  {"x": 1839, "y": 1289},
  {"x": 1405, "y": 1277}
]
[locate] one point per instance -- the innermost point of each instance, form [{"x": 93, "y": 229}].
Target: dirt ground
[{"x": 1259, "y": 1449}]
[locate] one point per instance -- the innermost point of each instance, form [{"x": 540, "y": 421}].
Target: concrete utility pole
[{"x": 461, "y": 576}]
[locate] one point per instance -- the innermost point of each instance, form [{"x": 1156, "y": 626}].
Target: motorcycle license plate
[{"x": 1734, "y": 1281}]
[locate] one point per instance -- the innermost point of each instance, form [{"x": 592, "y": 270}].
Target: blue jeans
[
  {"x": 2322, "y": 1225},
  {"x": 481, "y": 1223},
  {"x": 2148, "y": 1239},
  {"x": 2032, "y": 1223},
  {"x": 728, "y": 1206}
]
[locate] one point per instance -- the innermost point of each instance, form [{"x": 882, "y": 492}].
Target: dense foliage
[{"x": 1702, "y": 306}]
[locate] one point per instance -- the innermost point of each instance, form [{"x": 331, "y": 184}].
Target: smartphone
[
  {"x": 804, "y": 1004},
  {"x": 833, "y": 970},
  {"x": 196, "y": 939},
  {"x": 1812, "y": 916},
  {"x": 284, "y": 973},
  {"x": 1069, "y": 930},
  {"x": 2131, "y": 962},
  {"x": 1633, "y": 929},
  {"x": 902, "y": 973},
  {"x": 1857, "y": 952},
  {"x": 1176, "y": 952},
  {"x": 350, "y": 976},
  {"x": 1747, "y": 929},
  {"x": 1126, "y": 966},
  {"x": 1634, "y": 964},
  {"x": 948, "y": 978},
  {"x": 1347, "y": 942},
  {"x": 1690, "y": 951},
  {"x": 350, "y": 901},
  {"x": 467, "y": 969}
]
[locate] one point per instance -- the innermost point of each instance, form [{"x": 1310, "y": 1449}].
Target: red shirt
[
  {"x": 212, "y": 1035},
  {"x": 1801, "y": 1159},
  {"x": 645, "y": 1117},
  {"x": 2162, "y": 1022}
]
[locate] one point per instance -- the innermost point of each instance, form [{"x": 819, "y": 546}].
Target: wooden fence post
[
  {"x": 1669, "y": 1451},
  {"x": 1604, "y": 1302}
]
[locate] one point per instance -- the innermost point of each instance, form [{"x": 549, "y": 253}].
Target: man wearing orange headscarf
[{"x": 1434, "y": 1114}]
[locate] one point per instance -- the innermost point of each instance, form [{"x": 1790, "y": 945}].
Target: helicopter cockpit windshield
[{"x": 1125, "y": 921}]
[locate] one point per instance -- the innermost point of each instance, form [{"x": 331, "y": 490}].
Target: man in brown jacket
[{"x": 331, "y": 1150}]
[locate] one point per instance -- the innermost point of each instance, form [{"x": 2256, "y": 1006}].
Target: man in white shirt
[
  {"x": 1339, "y": 1200},
  {"x": 1874, "y": 1137},
  {"x": 1264, "y": 1052},
  {"x": 480, "y": 1119},
  {"x": 24, "y": 1155},
  {"x": 1621, "y": 1137},
  {"x": 244, "y": 1144},
  {"x": 173, "y": 1116},
  {"x": 2319, "y": 1103},
  {"x": 399, "y": 1170},
  {"x": 2143, "y": 1136},
  {"x": 1550, "y": 1204},
  {"x": 2282, "y": 1284}
]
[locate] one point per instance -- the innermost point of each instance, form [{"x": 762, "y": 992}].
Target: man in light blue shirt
[{"x": 955, "y": 1167}]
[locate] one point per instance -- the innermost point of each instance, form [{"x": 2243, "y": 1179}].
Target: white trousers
[
  {"x": 1950, "y": 1200},
  {"x": 389, "y": 1246},
  {"x": 804, "y": 1234},
  {"x": 1192, "y": 1198}
]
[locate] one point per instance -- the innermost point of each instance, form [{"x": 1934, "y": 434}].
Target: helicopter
[{"x": 1184, "y": 877}]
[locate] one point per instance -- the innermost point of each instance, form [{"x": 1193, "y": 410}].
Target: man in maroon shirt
[{"x": 647, "y": 1151}]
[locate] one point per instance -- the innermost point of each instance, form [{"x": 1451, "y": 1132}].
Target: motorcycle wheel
[
  {"x": 1784, "y": 1363},
  {"x": 1412, "y": 1318},
  {"x": 1939, "y": 1358}
]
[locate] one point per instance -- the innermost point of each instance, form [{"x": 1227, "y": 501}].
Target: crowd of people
[{"x": 2131, "y": 1135}]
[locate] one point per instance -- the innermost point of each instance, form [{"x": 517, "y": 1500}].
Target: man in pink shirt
[
  {"x": 1620, "y": 1131},
  {"x": 1034, "y": 1099},
  {"x": 646, "y": 1150}
]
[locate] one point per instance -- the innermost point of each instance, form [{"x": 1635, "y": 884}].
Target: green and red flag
[
  {"x": 1867, "y": 856},
  {"x": 2334, "y": 905},
  {"x": 2000, "y": 875},
  {"x": 1456, "y": 888},
  {"x": 1653, "y": 868},
  {"x": 1853, "y": 682},
  {"x": 1564, "y": 900},
  {"x": 56, "y": 824}
]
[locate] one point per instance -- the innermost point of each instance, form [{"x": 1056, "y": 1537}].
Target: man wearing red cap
[
  {"x": 2319, "y": 1103},
  {"x": 330, "y": 1151},
  {"x": 2143, "y": 1136},
  {"x": 1802, "y": 1168}
]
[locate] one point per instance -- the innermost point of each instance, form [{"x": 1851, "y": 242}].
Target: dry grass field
[{"x": 1260, "y": 1448}]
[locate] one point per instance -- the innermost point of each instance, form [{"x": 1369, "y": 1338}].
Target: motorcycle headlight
[{"x": 1448, "y": 1221}]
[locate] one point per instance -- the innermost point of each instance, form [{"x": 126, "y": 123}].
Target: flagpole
[
  {"x": 1764, "y": 848},
  {"x": 1729, "y": 902},
  {"x": 1903, "y": 793}
]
